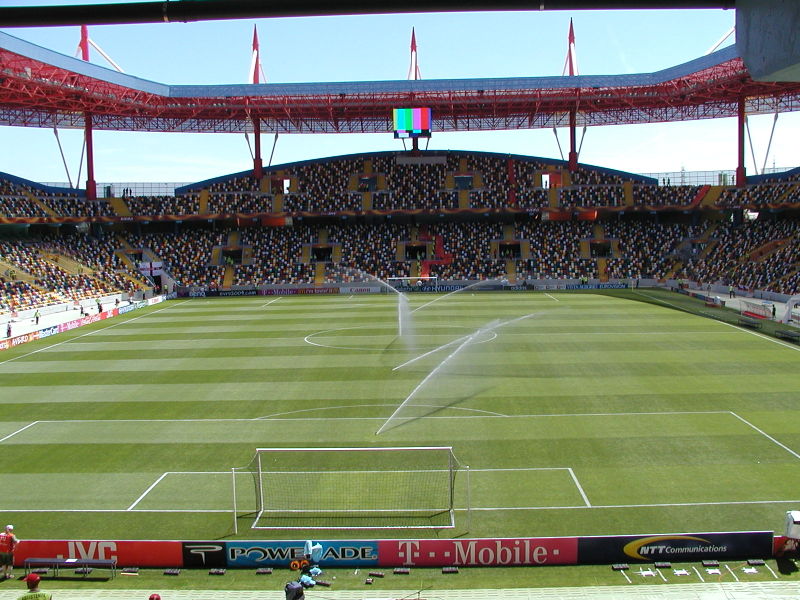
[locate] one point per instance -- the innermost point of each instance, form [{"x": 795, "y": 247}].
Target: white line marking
[
  {"x": 89, "y": 333},
  {"x": 661, "y": 574},
  {"x": 580, "y": 488},
  {"x": 270, "y": 302},
  {"x": 698, "y": 574},
  {"x": 659, "y": 505},
  {"x": 301, "y": 410},
  {"x": 766, "y": 435},
  {"x": 147, "y": 491},
  {"x": 10, "y": 435},
  {"x": 732, "y": 573},
  {"x": 125, "y": 510},
  {"x": 484, "y": 509},
  {"x": 625, "y": 575},
  {"x": 774, "y": 574},
  {"x": 737, "y": 327},
  {"x": 552, "y": 297},
  {"x": 408, "y": 362},
  {"x": 489, "y": 415},
  {"x": 762, "y": 336}
]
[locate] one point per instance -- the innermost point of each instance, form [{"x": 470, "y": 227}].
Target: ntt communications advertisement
[{"x": 674, "y": 547}]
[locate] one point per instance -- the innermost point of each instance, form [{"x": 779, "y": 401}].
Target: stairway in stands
[{"x": 120, "y": 207}]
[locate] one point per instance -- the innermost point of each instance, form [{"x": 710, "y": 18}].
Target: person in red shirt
[{"x": 8, "y": 542}]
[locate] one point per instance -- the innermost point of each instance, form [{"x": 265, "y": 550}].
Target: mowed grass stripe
[
  {"x": 593, "y": 363},
  {"x": 626, "y": 427},
  {"x": 557, "y": 350}
]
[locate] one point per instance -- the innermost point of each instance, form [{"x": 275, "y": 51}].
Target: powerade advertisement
[
  {"x": 281, "y": 554},
  {"x": 674, "y": 547}
]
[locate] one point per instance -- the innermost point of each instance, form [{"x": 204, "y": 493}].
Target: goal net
[
  {"x": 756, "y": 308},
  {"x": 348, "y": 488},
  {"x": 429, "y": 282}
]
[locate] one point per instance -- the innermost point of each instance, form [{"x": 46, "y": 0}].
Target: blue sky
[{"x": 456, "y": 45}]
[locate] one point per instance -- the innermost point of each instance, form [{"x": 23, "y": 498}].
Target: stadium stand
[{"x": 453, "y": 215}]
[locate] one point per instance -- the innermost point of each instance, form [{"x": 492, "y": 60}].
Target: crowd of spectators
[
  {"x": 591, "y": 196},
  {"x": 18, "y": 295},
  {"x": 153, "y": 206},
  {"x": 276, "y": 257},
  {"x": 283, "y": 255},
  {"x": 646, "y": 249},
  {"x": 760, "y": 195},
  {"x": 412, "y": 186},
  {"x": 20, "y": 206},
  {"x": 555, "y": 251},
  {"x": 734, "y": 244},
  {"x": 332, "y": 202},
  {"x": 99, "y": 255},
  {"x": 767, "y": 273},
  {"x": 186, "y": 256},
  {"x": 239, "y": 202},
  {"x": 653, "y": 195},
  {"x": 48, "y": 276},
  {"x": 78, "y": 207}
]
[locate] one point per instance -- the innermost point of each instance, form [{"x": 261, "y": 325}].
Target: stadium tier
[{"x": 448, "y": 215}]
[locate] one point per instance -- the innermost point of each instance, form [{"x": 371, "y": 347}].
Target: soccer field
[{"x": 577, "y": 414}]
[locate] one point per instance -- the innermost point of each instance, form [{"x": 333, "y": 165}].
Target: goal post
[{"x": 348, "y": 488}]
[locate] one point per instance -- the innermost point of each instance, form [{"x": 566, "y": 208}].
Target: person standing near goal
[{"x": 8, "y": 542}]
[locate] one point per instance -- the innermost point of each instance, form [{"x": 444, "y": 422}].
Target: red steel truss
[{"x": 37, "y": 94}]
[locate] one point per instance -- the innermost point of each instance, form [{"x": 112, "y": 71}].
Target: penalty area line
[
  {"x": 616, "y": 506},
  {"x": 580, "y": 487},
  {"x": 147, "y": 491},
  {"x": 766, "y": 435},
  {"x": 20, "y": 430}
]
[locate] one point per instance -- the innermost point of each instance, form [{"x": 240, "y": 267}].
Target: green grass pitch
[{"x": 578, "y": 414}]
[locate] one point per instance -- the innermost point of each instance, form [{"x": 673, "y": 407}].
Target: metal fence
[
  {"x": 134, "y": 188},
  {"x": 146, "y": 188},
  {"x": 720, "y": 177}
]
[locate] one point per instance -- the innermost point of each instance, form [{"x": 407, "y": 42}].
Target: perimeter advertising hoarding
[
  {"x": 298, "y": 291},
  {"x": 478, "y": 552},
  {"x": 281, "y": 554},
  {"x": 128, "y": 553},
  {"x": 674, "y": 547}
]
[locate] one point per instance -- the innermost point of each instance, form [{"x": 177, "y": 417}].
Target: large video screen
[{"x": 411, "y": 122}]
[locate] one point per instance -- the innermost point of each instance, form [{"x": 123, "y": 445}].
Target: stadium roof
[{"x": 42, "y": 88}]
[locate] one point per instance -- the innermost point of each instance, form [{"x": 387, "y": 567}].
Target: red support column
[
  {"x": 91, "y": 185},
  {"x": 741, "y": 174},
  {"x": 258, "y": 164},
  {"x": 573, "y": 153}
]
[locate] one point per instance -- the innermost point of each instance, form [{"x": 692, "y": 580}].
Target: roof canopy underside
[{"x": 41, "y": 88}]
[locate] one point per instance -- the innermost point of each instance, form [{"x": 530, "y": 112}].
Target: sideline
[{"x": 89, "y": 321}]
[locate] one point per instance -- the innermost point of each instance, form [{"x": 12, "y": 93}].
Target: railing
[
  {"x": 145, "y": 188},
  {"x": 136, "y": 188},
  {"x": 720, "y": 177}
]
